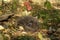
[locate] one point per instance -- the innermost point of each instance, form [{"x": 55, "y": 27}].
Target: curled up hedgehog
[{"x": 29, "y": 23}]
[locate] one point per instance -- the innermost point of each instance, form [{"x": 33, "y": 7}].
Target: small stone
[
  {"x": 1, "y": 27},
  {"x": 21, "y": 28}
]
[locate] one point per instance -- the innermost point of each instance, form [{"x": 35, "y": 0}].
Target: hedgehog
[{"x": 29, "y": 23}]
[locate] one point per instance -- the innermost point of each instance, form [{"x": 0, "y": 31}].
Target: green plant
[
  {"x": 47, "y": 4},
  {"x": 50, "y": 16},
  {"x": 15, "y": 4}
]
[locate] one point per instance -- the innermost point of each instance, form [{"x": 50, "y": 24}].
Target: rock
[
  {"x": 1, "y": 27},
  {"x": 29, "y": 23},
  {"x": 6, "y": 16}
]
